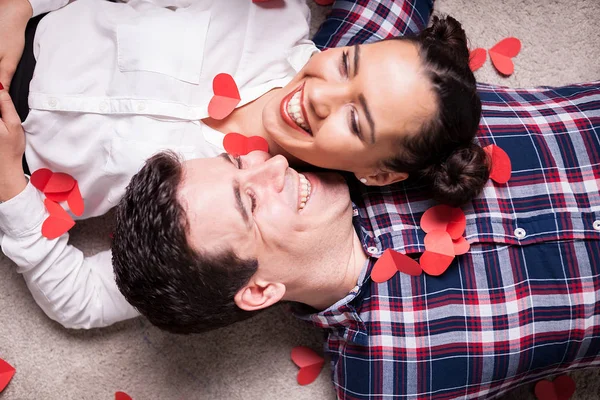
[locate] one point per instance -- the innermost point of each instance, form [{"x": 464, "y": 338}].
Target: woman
[{"x": 410, "y": 108}]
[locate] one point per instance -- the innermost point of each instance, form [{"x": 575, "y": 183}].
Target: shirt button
[
  {"x": 520, "y": 233},
  {"x": 597, "y": 225},
  {"x": 103, "y": 106},
  {"x": 52, "y": 102},
  {"x": 141, "y": 107},
  {"x": 373, "y": 250}
]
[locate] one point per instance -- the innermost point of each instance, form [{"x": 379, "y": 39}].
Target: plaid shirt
[
  {"x": 520, "y": 304},
  {"x": 524, "y": 301}
]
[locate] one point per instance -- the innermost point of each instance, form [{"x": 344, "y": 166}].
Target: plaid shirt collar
[{"x": 343, "y": 316}]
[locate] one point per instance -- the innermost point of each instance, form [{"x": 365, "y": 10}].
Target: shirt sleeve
[
  {"x": 76, "y": 291},
  {"x": 44, "y": 6}
]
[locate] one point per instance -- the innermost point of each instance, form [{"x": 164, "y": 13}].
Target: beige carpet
[{"x": 561, "y": 44}]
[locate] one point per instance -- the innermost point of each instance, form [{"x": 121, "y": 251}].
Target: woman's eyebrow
[
  {"x": 356, "y": 58},
  {"x": 361, "y": 97}
]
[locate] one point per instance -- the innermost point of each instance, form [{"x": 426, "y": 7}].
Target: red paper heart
[
  {"x": 435, "y": 263},
  {"x": 461, "y": 246},
  {"x": 384, "y": 268},
  {"x": 503, "y": 52},
  {"x": 439, "y": 241},
  {"x": 405, "y": 264},
  {"x": 226, "y": 96},
  {"x": 544, "y": 390},
  {"x": 75, "y": 201},
  {"x": 237, "y": 144},
  {"x": 562, "y": 388},
  {"x": 309, "y": 362},
  {"x": 59, "y": 187},
  {"x": 58, "y": 222},
  {"x": 58, "y": 197},
  {"x": 391, "y": 262},
  {"x": 442, "y": 217},
  {"x": 503, "y": 64},
  {"x": 477, "y": 58},
  {"x": 59, "y": 182},
  {"x": 7, "y": 371},
  {"x": 55, "y": 185},
  {"x": 122, "y": 396},
  {"x": 40, "y": 178},
  {"x": 439, "y": 252},
  {"x": 509, "y": 47},
  {"x": 501, "y": 168}
]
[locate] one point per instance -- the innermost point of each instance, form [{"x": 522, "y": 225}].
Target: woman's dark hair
[
  {"x": 443, "y": 152},
  {"x": 176, "y": 287}
]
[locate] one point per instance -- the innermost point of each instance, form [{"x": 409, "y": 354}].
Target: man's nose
[
  {"x": 270, "y": 173},
  {"x": 324, "y": 97}
]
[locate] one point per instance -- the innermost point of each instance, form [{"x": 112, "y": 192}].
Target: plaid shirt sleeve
[{"x": 366, "y": 21}]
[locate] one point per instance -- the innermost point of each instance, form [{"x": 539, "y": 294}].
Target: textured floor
[{"x": 561, "y": 44}]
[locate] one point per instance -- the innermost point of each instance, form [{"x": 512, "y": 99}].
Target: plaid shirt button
[
  {"x": 373, "y": 250},
  {"x": 520, "y": 233},
  {"x": 597, "y": 225}
]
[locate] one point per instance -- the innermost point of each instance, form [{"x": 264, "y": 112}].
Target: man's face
[{"x": 263, "y": 209}]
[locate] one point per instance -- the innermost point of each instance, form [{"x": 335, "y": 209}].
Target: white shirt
[{"x": 115, "y": 83}]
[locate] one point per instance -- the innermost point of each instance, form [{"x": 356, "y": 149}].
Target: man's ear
[
  {"x": 383, "y": 178},
  {"x": 256, "y": 296}
]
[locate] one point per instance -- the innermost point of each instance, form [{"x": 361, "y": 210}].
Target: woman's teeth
[
  {"x": 295, "y": 111},
  {"x": 304, "y": 191}
]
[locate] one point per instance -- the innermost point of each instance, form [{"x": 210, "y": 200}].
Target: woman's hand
[
  {"x": 12, "y": 147},
  {"x": 14, "y": 15}
]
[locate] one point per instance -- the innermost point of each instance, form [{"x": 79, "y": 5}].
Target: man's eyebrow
[
  {"x": 226, "y": 157},
  {"x": 361, "y": 97},
  {"x": 239, "y": 204}
]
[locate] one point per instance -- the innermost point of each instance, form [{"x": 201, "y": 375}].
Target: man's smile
[{"x": 304, "y": 191}]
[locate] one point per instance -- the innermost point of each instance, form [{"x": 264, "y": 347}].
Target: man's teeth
[
  {"x": 295, "y": 111},
  {"x": 304, "y": 191}
]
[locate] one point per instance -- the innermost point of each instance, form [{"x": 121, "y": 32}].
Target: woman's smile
[{"x": 293, "y": 111}]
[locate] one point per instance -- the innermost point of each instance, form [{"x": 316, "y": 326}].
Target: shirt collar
[
  {"x": 299, "y": 55},
  {"x": 342, "y": 316}
]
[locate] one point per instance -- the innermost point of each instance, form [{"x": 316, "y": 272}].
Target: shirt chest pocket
[{"x": 165, "y": 42}]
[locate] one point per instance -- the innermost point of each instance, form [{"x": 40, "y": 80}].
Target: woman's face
[{"x": 348, "y": 106}]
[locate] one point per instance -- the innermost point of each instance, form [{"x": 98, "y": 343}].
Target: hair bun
[
  {"x": 448, "y": 33},
  {"x": 461, "y": 176}
]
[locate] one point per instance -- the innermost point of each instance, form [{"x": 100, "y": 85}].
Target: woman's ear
[
  {"x": 256, "y": 296},
  {"x": 382, "y": 178}
]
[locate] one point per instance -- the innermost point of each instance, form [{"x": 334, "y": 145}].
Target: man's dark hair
[
  {"x": 443, "y": 153},
  {"x": 177, "y": 288}
]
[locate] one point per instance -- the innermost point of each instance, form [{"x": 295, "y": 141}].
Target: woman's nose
[{"x": 324, "y": 97}]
